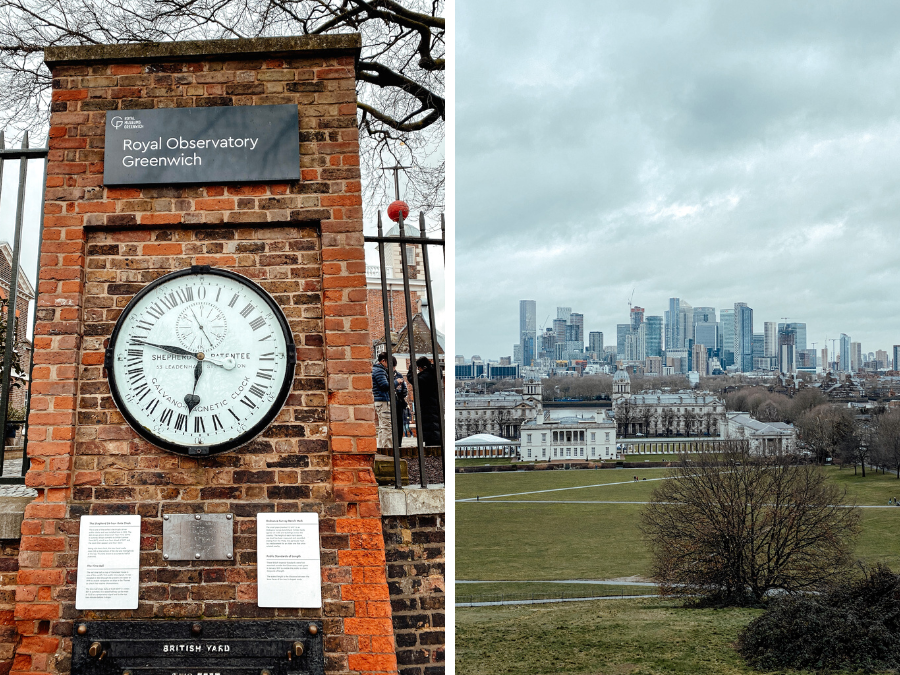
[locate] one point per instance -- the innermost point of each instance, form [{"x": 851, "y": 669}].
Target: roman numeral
[
  {"x": 155, "y": 311},
  {"x": 145, "y": 325},
  {"x": 170, "y": 301},
  {"x": 181, "y": 422},
  {"x": 199, "y": 426},
  {"x": 247, "y": 402},
  {"x": 267, "y": 337},
  {"x": 138, "y": 353},
  {"x": 258, "y": 322},
  {"x": 216, "y": 423},
  {"x": 268, "y": 356},
  {"x": 218, "y": 294},
  {"x": 152, "y": 406},
  {"x": 257, "y": 391},
  {"x": 167, "y": 416},
  {"x": 247, "y": 310},
  {"x": 264, "y": 373},
  {"x": 233, "y": 415},
  {"x": 233, "y": 300},
  {"x": 185, "y": 294}
]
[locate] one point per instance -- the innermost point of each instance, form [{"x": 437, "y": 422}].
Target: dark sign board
[
  {"x": 201, "y": 145},
  {"x": 221, "y": 647}
]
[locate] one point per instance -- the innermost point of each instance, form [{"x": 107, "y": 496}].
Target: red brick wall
[
  {"x": 9, "y": 566},
  {"x": 303, "y": 241}
]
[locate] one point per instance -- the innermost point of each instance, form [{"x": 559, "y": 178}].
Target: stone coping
[
  {"x": 204, "y": 49},
  {"x": 12, "y": 513},
  {"x": 411, "y": 501}
]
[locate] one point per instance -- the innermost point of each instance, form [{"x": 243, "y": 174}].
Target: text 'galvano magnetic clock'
[{"x": 200, "y": 361}]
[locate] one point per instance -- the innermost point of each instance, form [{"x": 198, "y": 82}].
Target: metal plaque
[
  {"x": 202, "y": 145},
  {"x": 287, "y": 647},
  {"x": 198, "y": 536}
]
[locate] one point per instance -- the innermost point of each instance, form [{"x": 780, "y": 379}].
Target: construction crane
[{"x": 630, "y": 299}]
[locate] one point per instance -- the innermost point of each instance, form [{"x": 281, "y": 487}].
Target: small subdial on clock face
[{"x": 201, "y": 327}]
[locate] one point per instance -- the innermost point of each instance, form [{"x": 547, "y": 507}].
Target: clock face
[{"x": 200, "y": 361}]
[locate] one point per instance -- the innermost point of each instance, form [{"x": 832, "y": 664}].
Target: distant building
[
  {"x": 743, "y": 336},
  {"x": 595, "y": 343},
  {"x": 568, "y": 439},
  {"x": 501, "y": 414},
  {"x": 896, "y": 364},
  {"x": 765, "y": 438},
  {"x": 527, "y": 331},
  {"x": 653, "y": 335},
  {"x": 770, "y": 339},
  {"x": 726, "y": 348},
  {"x": 845, "y": 353},
  {"x": 856, "y": 360},
  {"x": 698, "y": 360},
  {"x": 658, "y": 414}
]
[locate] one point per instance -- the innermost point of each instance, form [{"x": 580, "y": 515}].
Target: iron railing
[
  {"x": 22, "y": 155},
  {"x": 403, "y": 241}
]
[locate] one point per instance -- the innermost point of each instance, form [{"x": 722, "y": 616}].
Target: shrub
[{"x": 854, "y": 625}]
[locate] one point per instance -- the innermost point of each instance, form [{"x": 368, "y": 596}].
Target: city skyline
[
  {"x": 711, "y": 152},
  {"x": 609, "y": 334}
]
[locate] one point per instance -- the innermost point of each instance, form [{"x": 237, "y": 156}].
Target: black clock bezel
[{"x": 256, "y": 429}]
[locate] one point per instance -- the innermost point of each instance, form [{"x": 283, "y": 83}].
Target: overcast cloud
[{"x": 716, "y": 152}]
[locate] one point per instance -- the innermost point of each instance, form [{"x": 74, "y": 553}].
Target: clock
[{"x": 200, "y": 361}]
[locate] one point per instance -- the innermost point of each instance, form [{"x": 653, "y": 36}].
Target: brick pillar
[{"x": 302, "y": 241}]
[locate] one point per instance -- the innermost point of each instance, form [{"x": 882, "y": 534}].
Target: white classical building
[
  {"x": 568, "y": 439},
  {"x": 664, "y": 414},
  {"x": 501, "y": 414},
  {"x": 766, "y": 438}
]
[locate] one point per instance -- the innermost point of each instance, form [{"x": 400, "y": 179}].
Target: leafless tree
[
  {"x": 825, "y": 430},
  {"x": 400, "y": 73},
  {"x": 887, "y": 439},
  {"x": 732, "y": 528}
]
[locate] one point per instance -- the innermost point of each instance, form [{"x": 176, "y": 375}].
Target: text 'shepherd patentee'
[{"x": 201, "y": 145}]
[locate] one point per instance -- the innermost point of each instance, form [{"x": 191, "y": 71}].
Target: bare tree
[
  {"x": 400, "y": 73},
  {"x": 825, "y": 430},
  {"x": 887, "y": 439},
  {"x": 732, "y": 528}
]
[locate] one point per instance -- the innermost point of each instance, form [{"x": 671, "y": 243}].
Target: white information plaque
[
  {"x": 289, "y": 571},
  {"x": 108, "y": 562}
]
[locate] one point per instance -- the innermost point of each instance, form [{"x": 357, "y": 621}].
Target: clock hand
[
  {"x": 167, "y": 348},
  {"x": 201, "y": 329},
  {"x": 191, "y": 400},
  {"x": 227, "y": 364}
]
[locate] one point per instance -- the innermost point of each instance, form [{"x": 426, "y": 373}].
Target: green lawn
[
  {"x": 605, "y": 637},
  {"x": 483, "y": 461},
  {"x": 544, "y": 541},
  {"x": 536, "y": 590}
]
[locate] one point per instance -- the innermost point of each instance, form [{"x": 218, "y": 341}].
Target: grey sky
[{"x": 716, "y": 152}]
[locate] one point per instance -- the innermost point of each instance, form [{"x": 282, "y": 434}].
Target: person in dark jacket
[
  {"x": 428, "y": 411},
  {"x": 382, "y": 392},
  {"x": 401, "y": 392}
]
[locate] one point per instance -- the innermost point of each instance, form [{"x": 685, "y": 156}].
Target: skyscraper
[
  {"x": 743, "y": 336},
  {"x": 856, "y": 360},
  {"x": 563, "y": 313},
  {"x": 787, "y": 350},
  {"x": 577, "y": 321},
  {"x": 637, "y": 317},
  {"x": 595, "y": 343},
  {"x": 622, "y": 331},
  {"x": 726, "y": 351},
  {"x": 896, "y": 364},
  {"x": 770, "y": 348},
  {"x": 653, "y": 335},
  {"x": 527, "y": 330},
  {"x": 845, "y": 353}
]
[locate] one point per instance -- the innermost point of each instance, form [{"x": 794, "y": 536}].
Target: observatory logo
[{"x": 127, "y": 122}]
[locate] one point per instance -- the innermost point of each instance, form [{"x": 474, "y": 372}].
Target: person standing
[
  {"x": 428, "y": 410},
  {"x": 401, "y": 391},
  {"x": 381, "y": 390}
]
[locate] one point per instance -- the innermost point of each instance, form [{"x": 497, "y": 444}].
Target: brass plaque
[{"x": 198, "y": 536}]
